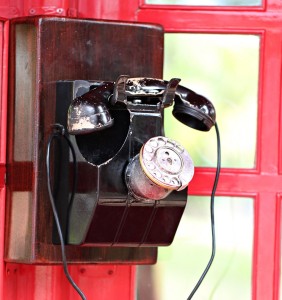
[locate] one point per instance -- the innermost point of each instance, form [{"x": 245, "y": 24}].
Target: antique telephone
[{"x": 134, "y": 185}]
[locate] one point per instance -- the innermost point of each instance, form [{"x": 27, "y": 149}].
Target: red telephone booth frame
[{"x": 263, "y": 183}]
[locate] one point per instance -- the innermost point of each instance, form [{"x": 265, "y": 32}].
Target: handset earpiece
[
  {"x": 89, "y": 112},
  {"x": 193, "y": 110}
]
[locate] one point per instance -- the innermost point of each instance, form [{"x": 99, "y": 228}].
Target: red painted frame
[
  {"x": 3, "y": 110},
  {"x": 263, "y": 183}
]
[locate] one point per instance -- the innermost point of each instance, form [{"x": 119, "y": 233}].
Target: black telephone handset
[{"x": 88, "y": 113}]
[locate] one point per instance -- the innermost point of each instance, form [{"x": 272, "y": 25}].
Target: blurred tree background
[{"x": 224, "y": 69}]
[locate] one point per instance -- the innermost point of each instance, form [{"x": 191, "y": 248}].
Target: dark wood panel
[{"x": 43, "y": 51}]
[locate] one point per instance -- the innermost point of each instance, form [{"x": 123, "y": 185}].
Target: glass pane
[
  {"x": 207, "y": 2},
  {"x": 180, "y": 265},
  {"x": 224, "y": 68}
]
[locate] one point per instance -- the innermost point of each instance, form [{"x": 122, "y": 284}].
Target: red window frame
[{"x": 264, "y": 182}]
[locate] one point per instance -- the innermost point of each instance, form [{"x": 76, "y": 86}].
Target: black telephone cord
[
  {"x": 212, "y": 216},
  {"x": 59, "y": 132}
]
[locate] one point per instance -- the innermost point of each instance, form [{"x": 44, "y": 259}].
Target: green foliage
[{"x": 223, "y": 68}]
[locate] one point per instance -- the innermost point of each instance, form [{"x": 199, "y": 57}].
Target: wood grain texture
[{"x": 43, "y": 51}]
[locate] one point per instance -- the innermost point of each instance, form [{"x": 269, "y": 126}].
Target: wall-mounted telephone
[
  {"x": 134, "y": 180},
  {"x": 131, "y": 187}
]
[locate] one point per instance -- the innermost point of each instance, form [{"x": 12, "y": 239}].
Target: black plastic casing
[{"x": 103, "y": 212}]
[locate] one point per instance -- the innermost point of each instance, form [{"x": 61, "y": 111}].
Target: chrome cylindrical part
[{"x": 161, "y": 167}]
